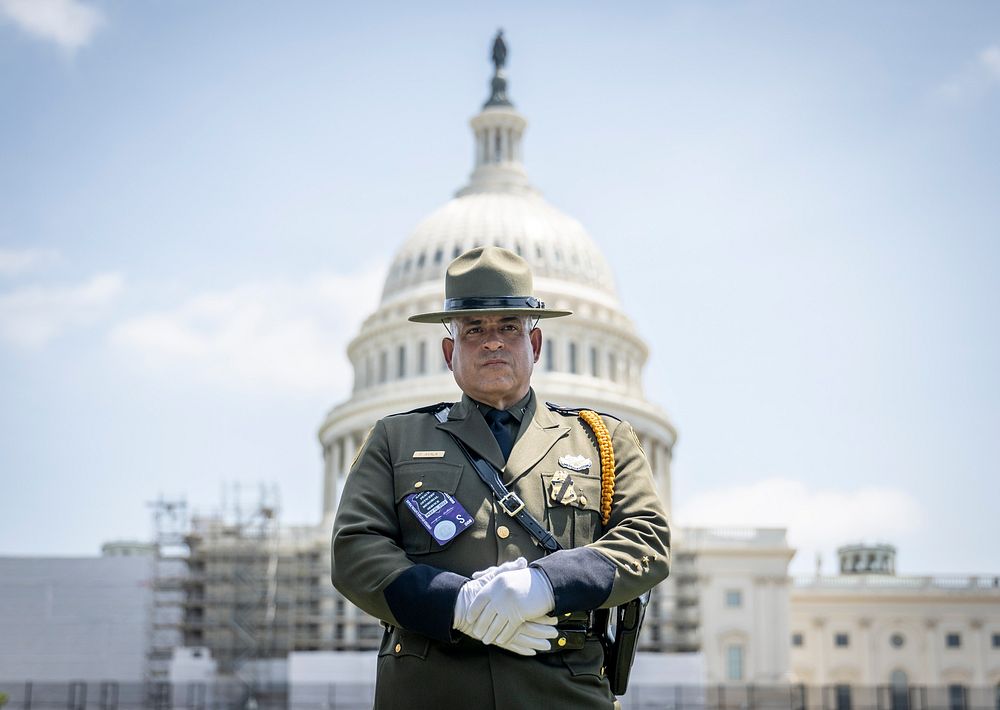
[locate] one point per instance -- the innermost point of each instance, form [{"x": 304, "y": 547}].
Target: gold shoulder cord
[{"x": 607, "y": 452}]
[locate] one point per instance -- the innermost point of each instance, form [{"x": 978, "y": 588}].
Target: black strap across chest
[{"x": 510, "y": 502}]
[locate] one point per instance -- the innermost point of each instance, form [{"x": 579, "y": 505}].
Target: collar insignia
[{"x": 575, "y": 463}]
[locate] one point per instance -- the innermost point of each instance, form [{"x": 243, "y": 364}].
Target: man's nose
[{"x": 493, "y": 342}]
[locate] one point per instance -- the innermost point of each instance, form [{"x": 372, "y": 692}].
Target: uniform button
[
  {"x": 583, "y": 500},
  {"x": 561, "y": 641},
  {"x": 399, "y": 647},
  {"x": 418, "y": 484},
  {"x": 503, "y": 532}
]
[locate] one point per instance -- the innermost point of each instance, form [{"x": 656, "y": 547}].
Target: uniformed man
[{"x": 468, "y": 597}]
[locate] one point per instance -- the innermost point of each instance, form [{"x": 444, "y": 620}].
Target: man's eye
[{"x": 474, "y": 331}]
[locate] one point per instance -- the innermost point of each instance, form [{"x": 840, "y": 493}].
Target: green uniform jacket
[{"x": 386, "y": 562}]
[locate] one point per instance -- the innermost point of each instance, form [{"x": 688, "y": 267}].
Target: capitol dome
[
  {"x": 593, "y": 359},
  {"x": 556, "y": 245}
]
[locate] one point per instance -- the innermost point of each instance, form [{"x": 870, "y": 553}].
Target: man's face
[{"x": 492, "y": 357}]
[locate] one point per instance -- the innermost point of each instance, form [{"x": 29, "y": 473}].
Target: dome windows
[{"x": 422, "y": 357}]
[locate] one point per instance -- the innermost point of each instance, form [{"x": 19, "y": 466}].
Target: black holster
[{"x": 619, "y": 633}]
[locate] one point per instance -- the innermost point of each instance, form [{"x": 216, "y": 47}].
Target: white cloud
[
  {"x": 69, "y": 23},
  {"x": 288, "y": 336},
  {"x": 31, "y": 317},
  {"x": 817, "y": 520},
  {"x": 975, "y": 79},
  {"x": 17, "y": 261},
  {"x": 989, "y": 59}
]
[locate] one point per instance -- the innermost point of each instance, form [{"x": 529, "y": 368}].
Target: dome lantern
[{"x": 498, "y": 131}]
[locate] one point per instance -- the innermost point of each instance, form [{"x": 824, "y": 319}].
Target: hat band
[{"x": 495, "y": 303}]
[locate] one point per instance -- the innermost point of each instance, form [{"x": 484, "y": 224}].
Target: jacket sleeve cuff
[
  {"x": 422, "y": 599},
  {"x": 581, "y": 578}
]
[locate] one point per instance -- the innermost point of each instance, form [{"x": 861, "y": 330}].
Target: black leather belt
[{"x": 574, "y": 630}]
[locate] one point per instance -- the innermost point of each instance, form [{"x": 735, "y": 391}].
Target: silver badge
[{"x": 575, "y": 463}]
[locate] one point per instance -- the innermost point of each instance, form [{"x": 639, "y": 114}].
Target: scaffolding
[{"x": 168, "y": 586}]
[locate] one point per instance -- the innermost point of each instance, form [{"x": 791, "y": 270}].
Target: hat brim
[{"x": 442, "y": 316}]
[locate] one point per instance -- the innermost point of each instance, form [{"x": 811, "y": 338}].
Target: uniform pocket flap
[
  {"x": 572, "y": 489},
  {"x": 413, "y": 477},
  {"x": 404, "y": 643}
]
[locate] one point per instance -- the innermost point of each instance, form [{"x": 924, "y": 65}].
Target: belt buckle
[{"x": 517, "y": 501}]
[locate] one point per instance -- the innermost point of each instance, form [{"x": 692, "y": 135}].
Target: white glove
[
  {"x": 508, "y": 600},
  {"x": 528, "y": 637},
  {"x": 470, "y": 589}
]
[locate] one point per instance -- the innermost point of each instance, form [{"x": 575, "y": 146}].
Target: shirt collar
[{"x": 516, "y": 410}]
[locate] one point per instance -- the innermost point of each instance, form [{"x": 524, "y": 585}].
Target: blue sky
[{"x": 800, "y": 202}]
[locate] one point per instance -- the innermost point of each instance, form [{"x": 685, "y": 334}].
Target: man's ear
[
  {"x": 536, "y": 342},
  {"x": 448, "y": 349}
]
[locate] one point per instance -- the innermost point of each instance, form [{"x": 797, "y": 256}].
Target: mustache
[{"x": 493, "y": 359}]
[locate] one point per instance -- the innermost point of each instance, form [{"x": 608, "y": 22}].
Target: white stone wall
[
  {"x": 750, "y": 566},
  {"x": 872, "y": 609}
]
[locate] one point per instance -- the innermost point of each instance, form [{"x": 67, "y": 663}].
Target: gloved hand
[
  {"x": 510, "y": 598},
  {"x": 470, "y": 589},
  {"x": 527, "y": 637}
]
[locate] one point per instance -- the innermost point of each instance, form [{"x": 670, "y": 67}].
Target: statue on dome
[
  {"x": 499, "y": 51},
  {"x": 498, "y": 85}
]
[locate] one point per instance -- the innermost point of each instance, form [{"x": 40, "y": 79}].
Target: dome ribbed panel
[{"x": 556, "y": 246}]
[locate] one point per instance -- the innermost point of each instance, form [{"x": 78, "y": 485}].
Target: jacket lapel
[
  {"x": 468, "y": 426},
  {"x": 539, "y": 435}
]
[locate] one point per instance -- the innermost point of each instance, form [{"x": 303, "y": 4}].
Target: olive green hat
[{"x": 488, "y": 280}]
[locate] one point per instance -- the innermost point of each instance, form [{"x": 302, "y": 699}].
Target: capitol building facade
[{"x": 240, "y": 596}]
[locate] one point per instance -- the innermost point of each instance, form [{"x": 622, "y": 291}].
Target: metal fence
[{"x": 233, "y": 695}]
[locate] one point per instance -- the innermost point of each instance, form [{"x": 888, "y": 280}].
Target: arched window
[
  {"x": 594, "y": 368},
  {"x": 899, "y": 691},
  {"x": 572, "y": 358},
  {"x": 383, "y": 366},
  {"x": 842, "y": 696},
  {"x": 958, "y": 697},
  {"x": 550, "y": 356},
  {"x": 422, "y": 357},
  {"x": 401, "y": 362},
  {"x": 734, "y": 662}
]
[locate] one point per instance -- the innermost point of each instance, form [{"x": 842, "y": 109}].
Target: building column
[
  {"x": 350, "y": 625},
  {"x": 979, "y": 652},
  {"x": 329, "y": 479},
  {"x": 819, "y": 625},
  {"x": 932, "y": 677},
  {"x": 867, "y": 652}
]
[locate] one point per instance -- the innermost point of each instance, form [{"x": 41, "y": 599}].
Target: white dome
[{"x": 556, "y": 245}]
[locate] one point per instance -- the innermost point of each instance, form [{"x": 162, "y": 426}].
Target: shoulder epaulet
[
  {"x": 575, "y": 411},
  {"x": 429, "y": 409}
]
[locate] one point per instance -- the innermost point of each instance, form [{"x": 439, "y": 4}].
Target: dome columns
[{"x": 498, "y": 131}]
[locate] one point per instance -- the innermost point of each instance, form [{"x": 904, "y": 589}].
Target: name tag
[
  {"x": 428, "y": 454},
  {"x": 439, "y": 512}
]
